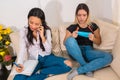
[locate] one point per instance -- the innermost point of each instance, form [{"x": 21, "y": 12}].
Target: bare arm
[{"x": 96, "y": 38}]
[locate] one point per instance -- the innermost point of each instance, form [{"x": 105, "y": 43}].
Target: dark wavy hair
[{"x": 37, "y": 12}]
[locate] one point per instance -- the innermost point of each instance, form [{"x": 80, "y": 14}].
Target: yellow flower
[
  {"x": 4, "y": 43},
  {"x": 5, "y": 31},
  {"x": 1, "y": 38},
  {"x": 8, "y": 30},
  {"x": 2, "y": 54},
  {"x": 1, "y": 27},
  {"x": 7, "y": 42},
  {"x": 4, "y": 36}
]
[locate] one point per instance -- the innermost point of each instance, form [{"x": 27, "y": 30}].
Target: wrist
[{"x": 43, "y": 39}]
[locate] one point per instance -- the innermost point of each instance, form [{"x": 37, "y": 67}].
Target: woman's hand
[
  {"x": 20, "y": 69},
  {"x": 41, "y": 31},
  {"x": 75, "y": 34},
  {"x": 91, "y": 37}
]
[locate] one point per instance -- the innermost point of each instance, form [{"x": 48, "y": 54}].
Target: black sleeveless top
[{"x": 83, "y": 40}]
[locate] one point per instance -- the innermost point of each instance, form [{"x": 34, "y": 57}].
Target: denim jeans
[
  {"x": 86, "y": 56},
  {"x": 48, "y": 65}
]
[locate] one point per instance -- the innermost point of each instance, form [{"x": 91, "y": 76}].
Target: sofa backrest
[
  {"x": 62, "y": 32},
  {"x": 55, "y": 41},
  {"x": 15, "y": 41},
  {"x": 108, "y": 33}
]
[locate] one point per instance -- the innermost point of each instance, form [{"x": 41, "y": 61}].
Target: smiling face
[
  {"x": 34, "y": 23},
  {"x": 82, "y": 16}
]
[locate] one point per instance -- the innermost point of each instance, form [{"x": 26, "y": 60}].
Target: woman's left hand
[
  {"x": 91, "y": 37},
  {"x": 75, "y": 34}
]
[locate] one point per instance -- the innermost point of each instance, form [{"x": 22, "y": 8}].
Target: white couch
[{"x": 110, "y": 42}]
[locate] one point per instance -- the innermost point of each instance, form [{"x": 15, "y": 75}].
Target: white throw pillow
[
  {"x": 108, "y": 33},
  {"x": 55, "y": 41}
]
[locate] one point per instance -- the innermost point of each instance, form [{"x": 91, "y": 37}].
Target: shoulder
[
  {"x": 48, "y": 31},
  {"x": 94, "y": 26},
  {"x": 72, "y": 27}
]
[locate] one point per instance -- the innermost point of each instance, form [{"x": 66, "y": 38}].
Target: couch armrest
[{"x": 116, "y": 55}]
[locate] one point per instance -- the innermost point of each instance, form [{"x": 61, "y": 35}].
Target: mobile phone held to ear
[{"x": 84, "y": 34}]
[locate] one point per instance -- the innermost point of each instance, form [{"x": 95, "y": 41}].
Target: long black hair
[{"x": 37, "y": 12}]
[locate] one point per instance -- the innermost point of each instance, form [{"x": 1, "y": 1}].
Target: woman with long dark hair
[{"x": 35, "y": 39}]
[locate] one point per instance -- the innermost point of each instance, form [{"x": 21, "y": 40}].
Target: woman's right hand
[
  {"x": 20, "y": 69},
  {"x": 75, "y": 34}
]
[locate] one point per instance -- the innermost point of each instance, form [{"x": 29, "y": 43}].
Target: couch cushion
[
  {"x": 64, "y": 77},
  {"x": 55, "y": 41},
  {"x": 108, "y": 33},
  {"x": 62, "y": 31},
  {"x": 116, "y": 55},
  {"x": 102, "y": 74},
  {"x": 106, "y": 74},
  {"x": 15, "y": 41}
]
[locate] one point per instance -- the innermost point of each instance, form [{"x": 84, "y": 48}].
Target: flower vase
[
  {"x": 8, "y": 67},
  {"x": 3, "y": 72},
  {"x": 0, "y": 66}
]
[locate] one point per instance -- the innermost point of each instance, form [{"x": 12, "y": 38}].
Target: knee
[
  {"x": 70, "y": 41},
  {"x": 19, "y": 77},
  {"x": 109, "y": 57},
  {"x": 68, "y": 63}
]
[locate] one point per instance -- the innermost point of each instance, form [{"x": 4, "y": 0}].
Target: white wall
[
  {"x": 116, "y": 11},
  {"x": 100, "y": 8},
  {"x": 59, "y": 11},
  {"x": 14, "y": 12}
]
